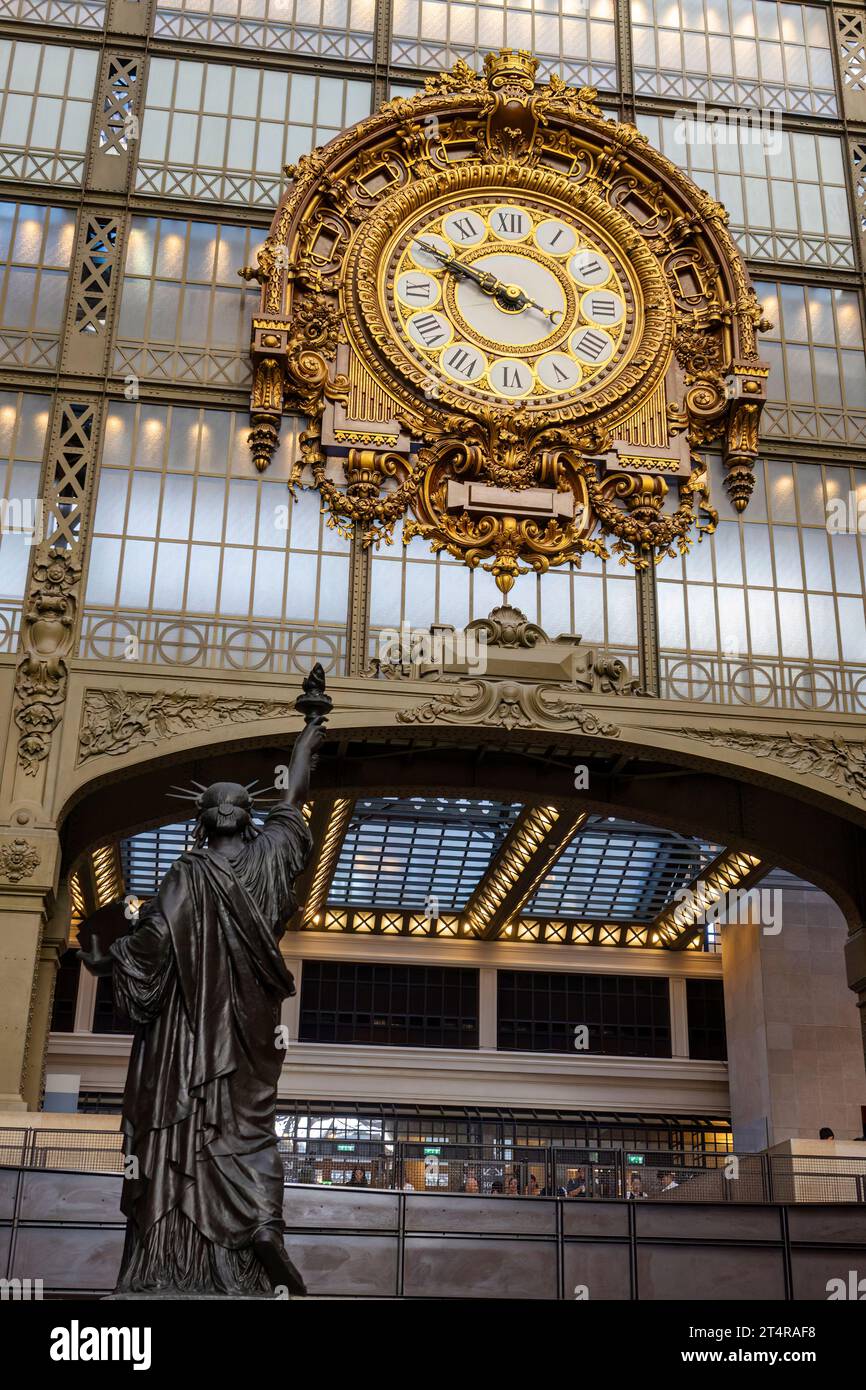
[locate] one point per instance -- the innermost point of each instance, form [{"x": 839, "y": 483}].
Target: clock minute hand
[
  {"x": 487, "y": 282},
  {"x": 511, "y": 295}
]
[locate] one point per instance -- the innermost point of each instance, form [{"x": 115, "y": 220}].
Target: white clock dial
[
  {"x": 463, "y": 362},
  {"x": 589, "y": 267},
  {"x": 551, "y": 317},
  {"x": 429, "y": 330},
  {"x": 464, "y": 228},
  {"x": 510, "y": 223},
  {"x": 557, "y": 371},
  {"x": 417, "y": 290},
  {"x": 509, "y": 376},
  {"x": 592, "y": 346},
  {"x": 555, "y": 237},
  {"x": 602, "y": 307},
  {"x": 484, "y": 314}
]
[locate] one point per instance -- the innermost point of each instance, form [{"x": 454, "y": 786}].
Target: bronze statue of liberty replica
[{"x": 201, "y": 977}]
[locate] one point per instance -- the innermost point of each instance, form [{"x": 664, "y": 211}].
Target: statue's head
[{"x": 224, "y": 808}]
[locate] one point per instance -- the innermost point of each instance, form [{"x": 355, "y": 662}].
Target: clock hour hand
[{"x": 526, "y": 303}]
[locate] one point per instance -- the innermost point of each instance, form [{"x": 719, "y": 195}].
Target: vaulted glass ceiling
[
  {"x": 620, "y": 871},
  {"x": 417, "y": 854},
  {"x": 401, "y": 852}
]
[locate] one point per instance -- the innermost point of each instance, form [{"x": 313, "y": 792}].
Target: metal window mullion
[
  {"x": 225, "y": 552},
  {"x": 37, "y": 267},
  {"x": 124, "y": 533},
  {"x": 741, "y": 541},
  {"x": 28, "y": 139},
  {"x": 774, "y": 581},
  {"x": 646, "y": 597},
  {"x": 257, "y": 549},
  {"x": 625, "y": 58},
  {"x": 154, "y": 281},
  {"x": 9, "y": 264},
  {"x": 834, "y": 587},
  {"x": 382, "y": 36},
  {"x": 155, "y": 557},
  {"x": 798, "y": 525}
]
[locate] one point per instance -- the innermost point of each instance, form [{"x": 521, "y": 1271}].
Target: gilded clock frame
[{"x": 691, "y": 378}]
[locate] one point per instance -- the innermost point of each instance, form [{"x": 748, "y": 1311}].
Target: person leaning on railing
[{"x": 667, "y": 1182}]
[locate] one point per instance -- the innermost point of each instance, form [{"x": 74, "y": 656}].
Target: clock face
[{"x": 507, "y": 300}]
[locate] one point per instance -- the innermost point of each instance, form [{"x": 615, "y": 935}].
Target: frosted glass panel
[
  {"x": 186, "y": 528},
  {"x": 793, "y": 633},
  {"x": 324, "y": 28},
  {"x": 817, "y": 385},
  {"x": 46, "y": 94},
  {"x": 23, "y": 430},
  {"x": 412, "y": 586},
  {"x": 779, "y": 187},
  {"x": 752, "y": 53},
  {"x": 36, "y": 244},
  {"x": 575, "y": 40},
  {"x": 212, "y": 131}
]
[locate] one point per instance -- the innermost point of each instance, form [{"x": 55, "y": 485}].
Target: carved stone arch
[{"x": 700, "y": 782}]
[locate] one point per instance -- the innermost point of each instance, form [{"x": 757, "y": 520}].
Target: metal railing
[
  {"x": 530, "y": 1171},
  {"x": 581, "y": 1173}
]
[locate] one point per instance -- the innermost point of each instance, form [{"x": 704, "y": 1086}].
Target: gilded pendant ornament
[{"x": 510, "y": 321}]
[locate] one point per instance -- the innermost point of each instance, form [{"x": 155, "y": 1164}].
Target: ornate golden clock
[
  {"x": 503, "y": 301},
  {"x": 507, "y": 315}
]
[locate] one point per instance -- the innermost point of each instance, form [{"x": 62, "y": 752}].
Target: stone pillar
[
  {"x": 51, "y": 948},
  {"x": 487, "y": 1008},
  {"x": 22, "y": 921},
  {"x": 290, "y": 1014},
  {"x": 32, "y": 931},
  {"x": 795, "y": 1058},
  {"x": 679, "y": 1016}
]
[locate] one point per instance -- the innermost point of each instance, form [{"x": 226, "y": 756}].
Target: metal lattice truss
[
  {"x": 97, "y": 881},
  {"x": 94, "y": 273},
  {"x": 119, "y": 87},
  {"x": 525, "y": 858},
  {"x": 682, "y": 925}
]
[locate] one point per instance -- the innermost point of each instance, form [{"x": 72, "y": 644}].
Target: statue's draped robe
[{"x": 202, "y": 979}]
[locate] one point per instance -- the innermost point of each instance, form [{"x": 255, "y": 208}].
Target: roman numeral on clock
[
  {"x": 429, "y": 329},
  {"x": 511, "y": 223},
  {"x": 510, "y": 378},
  {"x": 601, "y": 307},
  {"x": 417, "y": 289},
  {"x": 462, "y": 363},
  {"x": 465, "y": 228},
  {"x": 587, "y": 266},
  {"x": 590, "y": 345}
]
